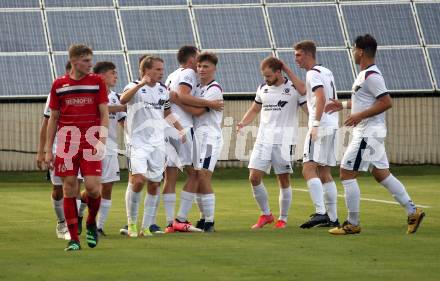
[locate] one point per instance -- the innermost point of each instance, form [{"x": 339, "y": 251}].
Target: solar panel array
[{"x": 37, "y": 33}]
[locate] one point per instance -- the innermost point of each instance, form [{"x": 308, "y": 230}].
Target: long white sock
[
  {"x": 396, "y": 188},
  {"x": 260, "y": 195},
  {"x": 200, "y": 205},
  {"x": 157, "y": 205},
  {"x": 208, "y": 205},
  {"x": 352, "y": 200},
  {"x": 58, "y": 207},
  {"x": 82, "y": 208},
  {"x": 316, "y": 194},
  {"x": 285, "y": 201},
  {"x": 169, "y": 204},
  {"x": 186, "y": 201},
  {"x": 133, "y": 206},
  {"x": 331, "y": 200},
  {"x": 104, "y": 209},
  {"x": 78, "y": 205},
  {"x": 150, "y": 205},
  {"x": 127, "y": 198}
]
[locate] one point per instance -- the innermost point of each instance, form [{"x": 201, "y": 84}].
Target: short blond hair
[
  {"x": 308, "y": 46},
  {"x": 79, "y": 50}
]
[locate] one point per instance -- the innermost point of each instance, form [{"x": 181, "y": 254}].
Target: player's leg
[
  {"x": 92, "y": 184},
  {"x": 330, "y": 195},
  {"x": 169, "y": 196},
  {"x": 150, "y": 207},
  {"x": 207, "y": 199},
  {"x": 138, "y": 181},
  {"x": 71, "y": 211},
  {"x": 284, "y": 199},
  {"x": 58, "y": 206}
]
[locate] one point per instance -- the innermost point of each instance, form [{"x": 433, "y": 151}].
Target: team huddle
[{"x": 177, "y": 126}]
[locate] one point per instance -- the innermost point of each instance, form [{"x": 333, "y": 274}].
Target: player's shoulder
[
  {"x": 372, "y": 71},
  {"x": 94, "y": 77},
  {"x": 214, "y": 86},
  {"x": 262, "y": 86},
  {"x": 161, "y": 87}
]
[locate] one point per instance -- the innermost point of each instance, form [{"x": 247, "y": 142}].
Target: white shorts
[
  {"x": 362, "y": 152},
  {"x": 180, "y": 154},
  {"x": 323, "y": 150},
  {"x": 266, "y": 155},
  {"x": 110, "y": 169},
  {"x": 208, "y": 149},
  {"x": 148, "y": 161},
  {"x": 56, "y": 180}
]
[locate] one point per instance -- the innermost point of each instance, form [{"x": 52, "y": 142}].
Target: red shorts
[{"x": 69, "y": 166}]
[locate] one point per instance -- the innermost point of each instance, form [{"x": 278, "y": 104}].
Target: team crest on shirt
[
  {"x": 286, "y": 91},
  {"x": 160, "y": 90},
  {"x": 65, "y": 85},
  {"x": 143, "y": 90}
]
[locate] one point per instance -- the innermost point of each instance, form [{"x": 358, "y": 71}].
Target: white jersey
[
  {"x": 279, "y": 120},
  {"x": 114, "y": 118},
  {"x": 46, "y": 114},
  {"x": 182, "y": 76},
  {"x": 321, "y": 77},
  {"x": 209, "y": 123},
  {"x": 367, "y": 88},
  {"x": 145, "y": 115}
]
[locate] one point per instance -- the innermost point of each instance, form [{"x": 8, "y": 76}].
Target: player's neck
[
  {"x": 76, "y": 75},
  {"x": 310, "y": 65},
  {"x": 365, "y": 63},
  {"x": 206, "y": 81},
  {"x": 279, "y": 82},
  {"x": 151, "y": 84}
]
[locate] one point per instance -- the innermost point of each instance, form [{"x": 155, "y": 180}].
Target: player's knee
[
  {"x": 57, "y": 193},
  {"x": 138, "y": 182},
  {"x": 254, "y": 179},
  {"x": 346, "y": 175},
  {"x": 106, "y": 191},
  {"x": 380, "y": 174}
]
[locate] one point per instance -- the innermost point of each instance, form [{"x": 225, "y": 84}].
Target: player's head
[
  {"x": 107, "y": 70},
  {"x": 153, "y": 66},
  {"x": 206, "y": 65},
  {"x": 80, "y": 56},
  {"x": 305, "y": 53},
  {"x": 186, "y": 56},
  {"x": 271, "y": 69},
  {"x": 364, "y": 47},
  {"x": 68, "y": 67},
  {"x": 142, "y": 57}
]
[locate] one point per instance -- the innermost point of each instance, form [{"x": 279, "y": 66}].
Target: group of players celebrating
[{"x": 177, "y": 125}]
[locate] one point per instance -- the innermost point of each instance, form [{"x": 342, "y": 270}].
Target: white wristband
[
  {"x": 344, "y": 104},
  {"x": 315, "y": 123}
]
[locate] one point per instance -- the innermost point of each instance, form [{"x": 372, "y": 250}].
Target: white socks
[
  {"x": 82, "y": 208},
  {"x": 260, "y": 195},
  {"x": 200, "y": 205},
  {"x": 352, "y": 200},
  {"x": 186, "y": 201},
  {"x": 78, "y": 205},
  {"x": 157, "y": 204},
  {"x": 396, "y": 188},
  {"x": 150, "y": 207},
  {"x": 169, "y": 204},
  {"x": 208, "y": 206},
  {"x": 133, "y": 206},
  {"x": 104, "y": 209},
  {"x": 331, "y": 199},
  {"x": 285, "y": 200},
  {"x": 317, "y": 195},
  {"x": 58, "y": 206}
]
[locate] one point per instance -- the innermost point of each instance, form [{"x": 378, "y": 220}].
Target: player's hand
[
  {"x": 182, "y": 136},
  {"x": 239, "y": 127},
  {"x": 217, "y": 105},
  {"x": 333, "y": 106},
  {"x": 285, "y": 67},
  {"x": 49, "y": 160},
  {"x": 40, "y": 160},
  {"x": 145, "y": 79},
  {"x": 352, "y": 120},
  {"x": 99, "y": 150},
  {"x": 173, "y": 97},
  {"x": 314, "y": 133}
]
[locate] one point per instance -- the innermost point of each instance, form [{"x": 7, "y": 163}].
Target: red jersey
[{"x": 78, "y": 100}]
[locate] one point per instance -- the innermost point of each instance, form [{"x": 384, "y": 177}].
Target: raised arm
[{"x": 299, "y": 85}]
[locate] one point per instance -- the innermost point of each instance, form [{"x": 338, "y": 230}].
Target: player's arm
[
  {"x": 184, "y": 95},
  {"x": 382, "y": 104},
  {"x": 51, "y": 131},
  {"x": 299, "y": 85},
  {"x": 116, "y": 108},
  {"x": 172, "y": 120},
  {"x": 103, "y": 114},
  {"x": 195, "y": 111},
  {"x": 336, "y": 105},
  {"x": 42, "y": 142},
  {"x": 128, "y": 94},
  {"x": 249, "y": 116}
]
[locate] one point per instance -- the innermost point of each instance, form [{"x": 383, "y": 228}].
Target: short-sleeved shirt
[
  {"x": 279, "y": 113},
  {"x": 78, "y": 101},
  {"x": 145, "y": 123},
  {"x": 46, "y": 114},
  {"x": 209, "y": 123},
  {"x": 114, "y": 119},
  {"x": 367, "y": 88},
  {"x": 187, "y": 77},
  {"x": 321, "y": 77}
]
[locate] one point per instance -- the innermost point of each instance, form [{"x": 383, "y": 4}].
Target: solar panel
[
  {"x": 429, "y": 16},
  {"x": 337, "y": 61},
  {"x": 210, "y": 2},
  {"x": 117, "y": 59},
  {"x": 98, "y": 29},
  {"x": 157, "y": 29},
  {"x": 240, "y": 72},
  {"x": 151, "y": 2},
  {"x": 404, "y": 69},
  {"x": 293, "y": 24},
  {"x": 25, "y": 75},
  {"x": 170, "y": 60},
  {"x": 78, "y": 3},
  {"x": 434, "y": 55},
  {"x": 20, "y": 4},
  {"x": 230, "y": 28},
  {"x": 22, "y": 32},
  {"x": 390, "y": 24},
  {"x": 298, "y": 1}
]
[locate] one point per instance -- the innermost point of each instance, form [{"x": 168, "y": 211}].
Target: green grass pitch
[{"x": 29, "y": 249}]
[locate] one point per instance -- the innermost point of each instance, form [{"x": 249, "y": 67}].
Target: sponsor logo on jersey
[
  {"x": 275, "y": 107},
  {"x": 79, "y": 101},
  {"x": 266, "y": 91}
]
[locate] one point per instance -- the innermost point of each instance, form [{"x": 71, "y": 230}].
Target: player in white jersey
[
  {"x": 148, "y": 111},
  {"x": 182, "y": 85},
  {"x": 320, "y": 144},
  {"x": 369, "y": 101},
  {"x": 278, "y": 101},
  {"x": 110, "y": 164}
]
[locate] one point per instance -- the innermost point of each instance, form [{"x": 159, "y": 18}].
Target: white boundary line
[{"x": 367, "y": 199}]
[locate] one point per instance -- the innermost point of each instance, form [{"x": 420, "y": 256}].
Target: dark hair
[
  {"x": 367, "y": 43},
  {"x": 79, "y": 50},
  {"x": 271, "y": 62},
  {"x": 207, "y": 56},
  {"x": 185, "y": 53},
  {"x": 141, "y": 58},
  {"x": 308, "y": 46},
  {"x": 103, "y": 66},
  {"x": 147, "y": 62},
  {"x": 68, "y": 66}
]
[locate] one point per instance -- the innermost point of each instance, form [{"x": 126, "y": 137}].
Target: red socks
[
  {"x": 71, "y": 215},
  {"x": 93, "y": 204}
]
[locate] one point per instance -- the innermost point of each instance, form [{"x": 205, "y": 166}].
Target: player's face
[
  {"x": 357, "y": 54},
  {"x": 300, "y": 58},
  {"x": 270, "y": 76},
  {"x": 110, "y": 77},
  {"x": 83, "y": 64},
  {"x": 156, "y": 71},
  {"x": 206, "y": 69}
]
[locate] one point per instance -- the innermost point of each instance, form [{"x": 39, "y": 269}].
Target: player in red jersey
[{"x": 78, "y": 102}]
